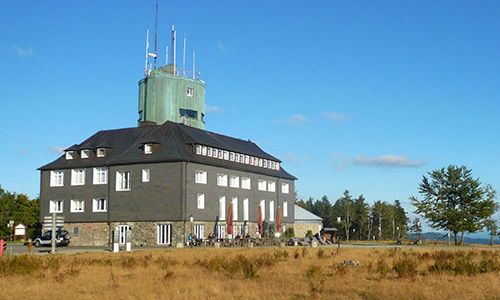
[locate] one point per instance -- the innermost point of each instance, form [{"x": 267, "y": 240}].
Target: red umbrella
[
  {"x": 279, "y": 220},
  {"x": 259, "y": 219},
  {"x": 229, "y": 220}
]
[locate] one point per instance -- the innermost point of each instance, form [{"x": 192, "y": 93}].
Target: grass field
[{"x": 279, "y": 273}]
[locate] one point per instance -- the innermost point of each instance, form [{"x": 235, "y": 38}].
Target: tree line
[
  {"x": 20, "y": 209},
  {"x": 355, "y": 219}
]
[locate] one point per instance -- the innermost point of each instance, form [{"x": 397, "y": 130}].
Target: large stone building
[{"x": 166, "y": 178}]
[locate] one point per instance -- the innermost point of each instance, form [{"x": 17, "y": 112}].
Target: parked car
[{"x": 62, "y": 238}]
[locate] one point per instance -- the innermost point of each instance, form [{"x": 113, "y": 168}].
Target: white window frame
[
  {"x": 70, "y": 155},
  {"x": 146, "y": 175},
  {"x": 246, "y": 209},
  {"x": 260, "y": 162},
  {"x": 234, "y": 203},
  {"x": 285, "y": 188},
  {"x": 277, "y": 166},
  {"x": 190, "y": 92},
  {"x": 84, "y": 153},
  {"x": 209, "y": 151},
  {"x": 56, "y": 206},
  {"x": 246, "y": 183},
  {"x": 122, "y": 180},
  {"x": 234, "y": 181},
  {"x": 78, "y": 176},
  {"x": 200, "y": 177},
  {"x": 265, "y": 163},
  {"x": 231, "y": 156},
  {"x": 100, "y": 152},
  {"x": 285, "y": 209},
  {"x": 148, "y": 148},
  {"x": 57, "y": 178},
  {"x": 96, "y": 207},
  {"x": 262, "y": 185},
  {"x": 198, "y": 149},
  {"x": 271, "y": 211},
  {"x": 76, "y": 206},
  {"x": 226, "y": 155},
  {"x": 199, "y": 231},
  {"x": 164, "y": 234},
  {"x": 222, "y": 179},
  {"x": 271, "y": 186},
  {"x": 100, "y": 173},
  {"x": 222, "y": 208},
  {"x": 204, "y": 150},
  {"x": 200, "y": 201},
  {"x": 247, "y": 159},
  {"x": 215, "y": 152},
  {"x": 262, "y": 206}
]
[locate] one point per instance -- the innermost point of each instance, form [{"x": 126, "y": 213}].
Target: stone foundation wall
[{"x": 143, "y": 233}]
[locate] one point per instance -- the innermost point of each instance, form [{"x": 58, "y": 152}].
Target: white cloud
[
  {"x": 213, "y": 109},
  {"x": 387, "y": 161},
  {"x": 23, "y": 52},
  {"x": 222, "y": 47},
  {"x": 335, "y": 116},
  {"x": 294, "y": 120}
]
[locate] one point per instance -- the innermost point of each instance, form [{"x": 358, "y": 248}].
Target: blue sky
[{"x": 366, "y": 96}]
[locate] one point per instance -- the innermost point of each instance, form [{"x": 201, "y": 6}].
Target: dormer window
[
  {"x": 70, "y": 155},
  {"x": 101, "y": 152},
  {"x": 148, "y": 148},
  {"x": 84, "y": 153}
]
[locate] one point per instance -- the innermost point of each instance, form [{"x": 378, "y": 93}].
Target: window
[
  {"x": 190, "y": 92},
  {"x": 247, "y": 159},
  {"x": 245, "y": 210},
  {"x": 260, "y": 162},
  {"x": 204, "y": 150},
  {"x": 285, "y": 188},
  {"x": 199, "y": 231},
  {"x": 55, "y": 206},
  {"x": 265, "y": 163},
  {"x": 57, "y": 178},
  {"x": 193, "y": 114},
  {"x": 251, "y": 160},
  {"x": 101, "y": 152},
  {"x": 234, "y": 181},
  {"x": 271, "y": 186},
  {"x": 209, "y": 151},
  {"x": 201, "y": 201},
  {"x": 245, "y": 183},
  {"x": 285, "y": 209},
  {"x": 215, "y": 153},
  {"x": 164, "y": 234},
  {"x": 77, "y": 176},
  {"x": 70, "y": 154},
  {"x": 237, "y": 157},
  {"x": 76, "y": 206},
  {"x": 76, "y": 231},
  {"x": 221, "y": 179},
  {"x": 263, "y": 209},
  {"x": 100, "y": 175},
  {"x": 198, "y": 149},
  {"x": 256, "y": 161},
  {"x": 99, "y": 205},
  {"x": 221, "y": 231},
  {"x": 148, "y": 148},
  {"x": 277, "y": 166},
  {"x": 271, "y": 211},
  {"x": 123, "y": 181},
  {"x": 234, "y": 203},
  {"x": 231, "y": 156},
  {"x": 201, "y": 177},
  {"x": 262, "y": 185},
  {"x": 221, "y": 154},
  {"x": 222, "y": 208},
  {"x": 273, "y": 165},
  {"x": 145, "y": 175},
  {"x": 226, "y": 155},
  {"x": 84, "y": 153}
]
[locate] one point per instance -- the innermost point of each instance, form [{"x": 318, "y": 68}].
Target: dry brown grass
[{"x": 281, "y": 273}]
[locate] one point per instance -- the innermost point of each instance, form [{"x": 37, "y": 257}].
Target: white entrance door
[{"x": 122, "y": 230}]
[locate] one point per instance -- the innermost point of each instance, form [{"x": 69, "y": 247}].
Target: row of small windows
[
  {"x": 236, "y": 157},
  {"x": 246, "y": 203},
  {"x": 85, "y": 153},
  {"x": 77, "y": 206},
  {"x": 100, "y": 176},
  {"x": 234, "y": 182}
]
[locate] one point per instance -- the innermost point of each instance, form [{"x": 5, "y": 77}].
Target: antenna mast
[
  {"x": 146, "y": 72},
  {"x": 156, "y": 35},
  {"x": 174, "y": 50},
  {"x": 184, "y": 58}
]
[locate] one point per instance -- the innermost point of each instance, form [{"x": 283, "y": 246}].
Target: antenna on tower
[
  {"x": 156, "y": 35},
  {"x": 184, "y": 58},
  {"x": 174, "y": 50},
  {"x": 147, "y": 54},
  {"x": 194, "y": 65}
]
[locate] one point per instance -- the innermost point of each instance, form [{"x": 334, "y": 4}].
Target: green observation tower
[{"x": 169, "y": 93}]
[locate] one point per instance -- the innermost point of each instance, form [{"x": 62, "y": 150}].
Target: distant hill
[{"x": 442, "y": 236}]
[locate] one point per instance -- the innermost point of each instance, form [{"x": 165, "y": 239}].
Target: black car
[{"x": 62, "y": 238}]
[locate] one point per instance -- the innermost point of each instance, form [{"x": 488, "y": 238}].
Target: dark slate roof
[{"x": 172, "y": 142}]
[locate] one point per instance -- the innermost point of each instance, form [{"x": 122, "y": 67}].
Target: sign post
[{"x": 51, "y": 223}]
